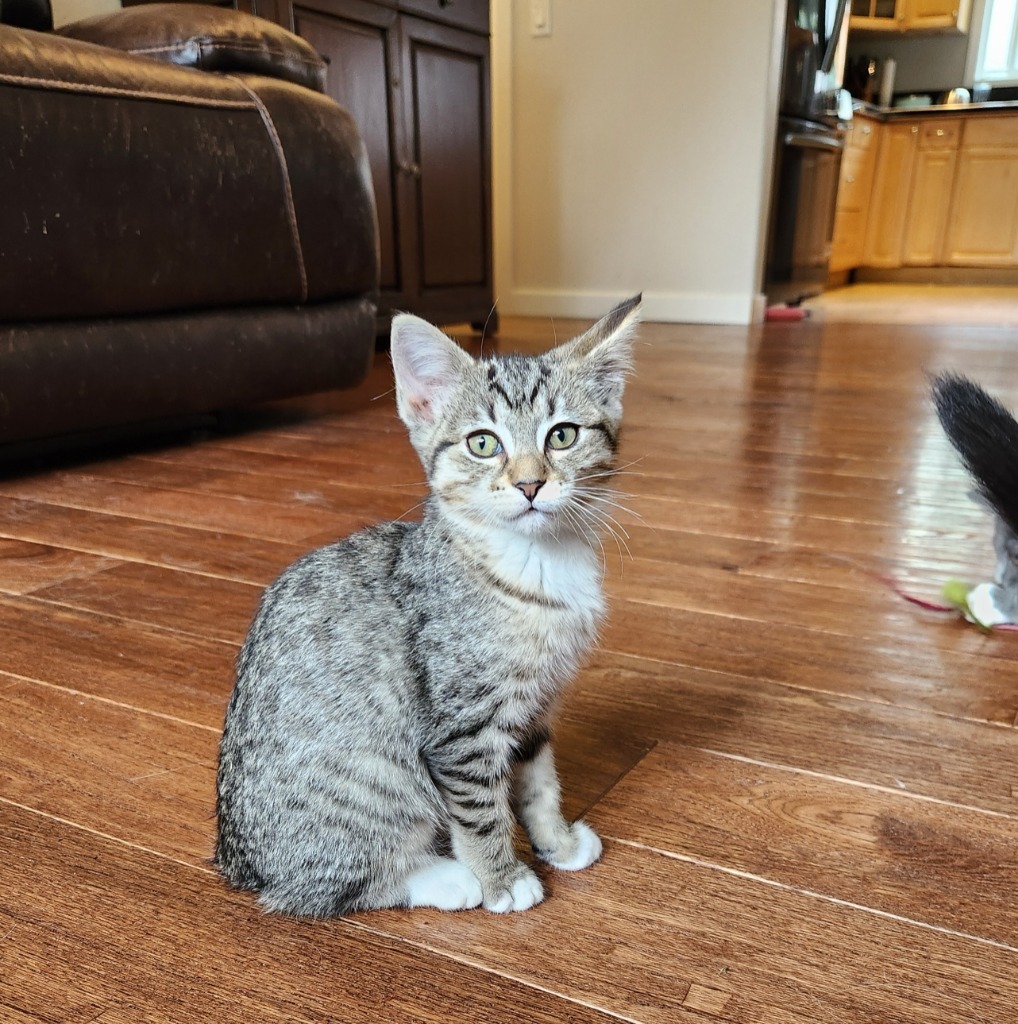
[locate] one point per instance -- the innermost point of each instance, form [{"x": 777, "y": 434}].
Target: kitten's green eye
[
  {"x": 484, "y": 444},
  {"x": 562, "y": 436}
]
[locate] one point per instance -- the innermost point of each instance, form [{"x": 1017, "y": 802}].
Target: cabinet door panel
[
  {"x": 846, "y": 247},
  {"x": 928, "y": 207},
  {"x": 448, "y": 74},
  {"x": 889, "y": 202},
  {"x": 938, "y": 14},
  {"x": 984, "y": 219},
  {"x": 360, "y": 54}
]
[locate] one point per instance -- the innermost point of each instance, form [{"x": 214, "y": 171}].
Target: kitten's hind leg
[
  {"x": 538, "y": 801},
  {"x": 446, "y": 884}
]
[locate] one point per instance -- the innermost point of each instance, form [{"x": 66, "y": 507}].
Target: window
[{"x": 997, "y": 62}]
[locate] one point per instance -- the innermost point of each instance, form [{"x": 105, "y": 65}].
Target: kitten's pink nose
[{"x": 530, "y": 488}]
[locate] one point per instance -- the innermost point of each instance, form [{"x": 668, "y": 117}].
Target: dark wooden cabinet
[{"x": 415, "y": 76}]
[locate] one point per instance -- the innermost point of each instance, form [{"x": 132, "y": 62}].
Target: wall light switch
[{"x": 540, "y": 17}]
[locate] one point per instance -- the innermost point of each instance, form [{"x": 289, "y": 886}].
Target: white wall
[
  {"x": 66, "y": 11},
  {"x": 632, "y": 151}
]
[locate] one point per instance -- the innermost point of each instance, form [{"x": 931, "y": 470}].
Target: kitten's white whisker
[
  {"x": 572, "y": 516},
  {"x": 602, "y": 474},
  {"x": 605, "y": 498},
  {"x": 608, "y": 524},
  {"x": 413, "y": 508},
  {"x": 602, "y": 514}
]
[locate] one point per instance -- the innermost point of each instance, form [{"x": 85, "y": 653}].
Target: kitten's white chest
[{"x": 561, "y": 602}]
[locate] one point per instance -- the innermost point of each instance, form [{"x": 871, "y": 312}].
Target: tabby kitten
[{"x": 390, "y": 718}]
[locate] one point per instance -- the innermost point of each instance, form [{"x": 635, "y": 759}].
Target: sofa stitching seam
[
  {"x": 226, "y": 44},
  {"x": 291, "y": 211},
  {"x": 138, "y": 94}
]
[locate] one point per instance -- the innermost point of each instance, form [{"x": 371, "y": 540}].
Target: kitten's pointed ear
[
  {"x": 605, "y": 351},
  {"x": 428, "y": 366}
]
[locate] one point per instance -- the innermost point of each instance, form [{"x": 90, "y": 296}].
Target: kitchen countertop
[{"x": 937, "y": 109}]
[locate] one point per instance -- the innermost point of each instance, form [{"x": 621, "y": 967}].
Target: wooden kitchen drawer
[
  {"x": 939, "y": 134},
  {"x": 992, "y": 131},
  {"x": 860, "y": 134}
]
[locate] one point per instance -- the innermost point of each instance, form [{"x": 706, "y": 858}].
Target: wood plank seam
[
  {"x": 157, "y": 627},
  {"x": 903, "y": 791},
  {"x": 811, "y": 894},
  {"x": 70, "y": 503},
  {"x": 802, "y": 688},
  {"x": 126, "y": 843},
  {"x": 98, "y": 698},
  {"x": 480, "y": 965},
  {"x": 122, "y": 557},
  {"x": 344, "y": 922}
]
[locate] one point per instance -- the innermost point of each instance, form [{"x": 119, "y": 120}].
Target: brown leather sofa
[{"x": 186, "y": 221}]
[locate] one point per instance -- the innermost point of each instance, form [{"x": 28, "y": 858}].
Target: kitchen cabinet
[
  {"x": 930, "y": 193},
  {"x": 415, "y": 76},
  {"x": 855, "y": 185},
  {"x": 877, "y": 15},
  {"x": 892, "y": 183},
  {"x": 937, "y": 15},
  {"x": 944, "y": 193},
  {"x": 910, "y": 15},
  {"x": 911, "y": 195},
  {"x": 983, "y": 228}
]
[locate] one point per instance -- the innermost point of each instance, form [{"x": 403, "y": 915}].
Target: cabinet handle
[
  {"x": 915, "y": 129},
  {"x": 940, "y": 132},
  {"x": 849, "y": 179},
  {"x": 410, "y": 168}
]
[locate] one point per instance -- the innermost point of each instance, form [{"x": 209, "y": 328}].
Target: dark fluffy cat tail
[{"x": 986, "y": 437}]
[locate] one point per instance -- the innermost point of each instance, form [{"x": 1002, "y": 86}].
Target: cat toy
[{"x": 975, "y": 604}]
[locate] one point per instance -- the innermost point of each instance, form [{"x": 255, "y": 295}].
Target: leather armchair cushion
[
  {"x": 209, "y": 38},
  {"x": 130, "y": 186},
  {"x": 34, "y": 14}
]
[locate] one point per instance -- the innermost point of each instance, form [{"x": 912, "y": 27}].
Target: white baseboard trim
[{"x": 668, "y": 307}]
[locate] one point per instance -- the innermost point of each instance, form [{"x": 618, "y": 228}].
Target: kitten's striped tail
[{"x": 986, "y": 437}]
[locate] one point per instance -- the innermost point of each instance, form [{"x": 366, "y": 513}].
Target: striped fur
[{"x": 391, "y": 716}]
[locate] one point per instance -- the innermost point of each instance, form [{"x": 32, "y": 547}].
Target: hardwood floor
[
  {"x": 990, "y": 305},
  {"x": 807, "y": 787}
]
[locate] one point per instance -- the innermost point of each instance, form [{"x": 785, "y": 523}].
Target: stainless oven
[{"x": 802, "y": 209}]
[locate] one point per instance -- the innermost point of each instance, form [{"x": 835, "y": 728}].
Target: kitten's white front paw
[
  {"x": 526, "y": 891},
  {"x": 586, "y": 848},
  {"x": 445, "y": 884}
]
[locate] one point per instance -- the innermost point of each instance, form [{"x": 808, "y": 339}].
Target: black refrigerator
[{"x": 807, "y": 157}]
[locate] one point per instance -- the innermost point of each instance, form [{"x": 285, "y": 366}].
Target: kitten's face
[
  {"x": 520, "y": 443},
  {"x": 527, "y": 447}
]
